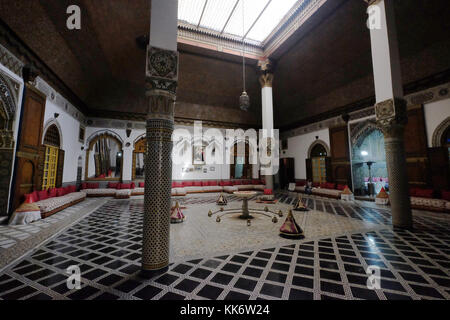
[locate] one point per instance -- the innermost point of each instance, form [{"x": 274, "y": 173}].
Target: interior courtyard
[{"x": 224, "y": 150}]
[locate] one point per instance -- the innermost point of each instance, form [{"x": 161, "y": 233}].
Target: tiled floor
[{"x": 106, "y": 245}]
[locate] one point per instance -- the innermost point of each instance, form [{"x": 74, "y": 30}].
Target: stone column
[
  {"x": 266, "y": 80},
  {"x": 392, "y": 118},
  {"x": 390, "y": 109},
  {"x": 161, "y": 78}
]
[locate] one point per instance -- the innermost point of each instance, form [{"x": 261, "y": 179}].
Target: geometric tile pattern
[
  {"x": 106, "y": 245},
  {"x": 157, "y": 200},
  {"x": 12, "y": 235}
]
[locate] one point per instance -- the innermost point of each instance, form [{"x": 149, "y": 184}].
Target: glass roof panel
[
  {"x": 217, "y": 13},
  {"x": 252, "y": 9},
  {"x": 190, "y": 11},
  {"x": 270, "y": 19}
]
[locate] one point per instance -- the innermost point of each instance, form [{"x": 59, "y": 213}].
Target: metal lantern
[{"x": 244, "y": 101}]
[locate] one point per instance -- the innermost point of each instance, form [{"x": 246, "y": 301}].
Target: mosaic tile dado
[{"x": 106, "y": 245}]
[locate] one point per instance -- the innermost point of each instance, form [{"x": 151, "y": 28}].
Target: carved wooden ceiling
[{"x": 323, "y": 66}]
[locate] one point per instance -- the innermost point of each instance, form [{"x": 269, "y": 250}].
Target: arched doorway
[
  {"x": 318, "y": 163},
  {"x": 104, "y": 157},
  {"x": 241, "y": 167},
  {"x": 439, "y": 156},
  {"x": 445, "y": 141},
  {"x": 79, "y": 171},
  {"x": 138, "y": 168},
  {"x": 369, "y": 162},
  {"x": 53, "y": 160}
]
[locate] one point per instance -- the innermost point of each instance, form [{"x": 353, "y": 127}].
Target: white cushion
[
  {"x": 245, "y": 187},
  {"x": 230, "y": 189},
  {"x": 193, "y": 189},
  {"x": 212, "y": 189},
  {"x": 179, "y": 191},
  {"x": 104, "y": 192}
]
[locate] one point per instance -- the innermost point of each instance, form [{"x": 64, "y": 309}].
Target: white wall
[
  {"x": 435, "y": 114},
  {"x": 221, "y": 171},
  {"x": 298, "y": 147}
]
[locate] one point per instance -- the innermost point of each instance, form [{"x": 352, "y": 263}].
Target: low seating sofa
[
  {"x": 329, "y": 190},
  {"x": 182, "y": 188},
  {"x": 113, "y": 189},
  {"x": 430, "y": 200},
  {"x": 54, "y": 200}
]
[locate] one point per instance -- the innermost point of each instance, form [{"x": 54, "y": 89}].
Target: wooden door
[
  {"x": 28, "y": 154},
  {"x": 439, "y": 168}
]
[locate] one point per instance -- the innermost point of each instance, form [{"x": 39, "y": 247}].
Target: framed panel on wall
[{"x": 81, "y": 133}]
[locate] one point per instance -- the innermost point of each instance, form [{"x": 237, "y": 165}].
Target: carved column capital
[
  {"x": 391, "y": 115},
  {"x": 162, "y": 70},
  {"x": 371, "y": 2},
  {"x": 266, "y": 80}
]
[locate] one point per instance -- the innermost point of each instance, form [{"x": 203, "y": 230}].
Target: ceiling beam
[
  {"x": 203, "y": 12},
  {"x": 229, "y": 17},
  {"x": 259, "y": 16}
]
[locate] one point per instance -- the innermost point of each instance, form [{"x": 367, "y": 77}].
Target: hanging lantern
[{"x": 244, "y": 101}]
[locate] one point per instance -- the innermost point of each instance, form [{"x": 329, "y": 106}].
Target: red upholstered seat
[
  {"x": 446, "y": 195},
  {"x": 142, "y": 185},
  {"x": 112, "y": 185},
  {"x": 424, "y": 193},
  {"x": 52, "y": 193},
  {"x": 213, "y": 183},
  {"x": 226, "y": 184},
  {"x": 60, "y": 192},
  {"x": 341, "y": 187},
  {"x": 125, "y": 186},
  {"x": 268, "y": 192},
  {"x": 301, "y": 183},
  {"x": 175, "y": 185},
  {"x": 188, "y": 184},
  {"x": 34, "y": 197},
  {"x": 43, "y": 195},
  {"x": 237, "y": 182}
]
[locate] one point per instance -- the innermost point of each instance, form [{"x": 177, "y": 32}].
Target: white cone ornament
[
  {"x": 300, "y": 206},
  {"x": 290, "y": 229},
  {"x": 347, "y": 194},
  {"x": 176, "y": 215},
  {"x": 222, "y": 201},
  {"x": 382, "y": 198}
]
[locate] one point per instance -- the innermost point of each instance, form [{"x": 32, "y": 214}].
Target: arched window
[
  {"x": 138, "y": 167},
  {"x": 318, "y": 151},
  {"x": 241, "y": 167},
  {"x": 446, "y": 141},
  {"x": 52, "y": 145}
]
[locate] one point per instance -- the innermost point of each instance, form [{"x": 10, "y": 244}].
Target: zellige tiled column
[{"x": 161, "y": 79}]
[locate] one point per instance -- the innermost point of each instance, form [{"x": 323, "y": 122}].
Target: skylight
[{"x": 225, "y": 16}]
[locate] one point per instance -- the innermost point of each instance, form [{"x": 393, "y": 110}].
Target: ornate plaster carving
[{"x": 439, "y": 132}]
